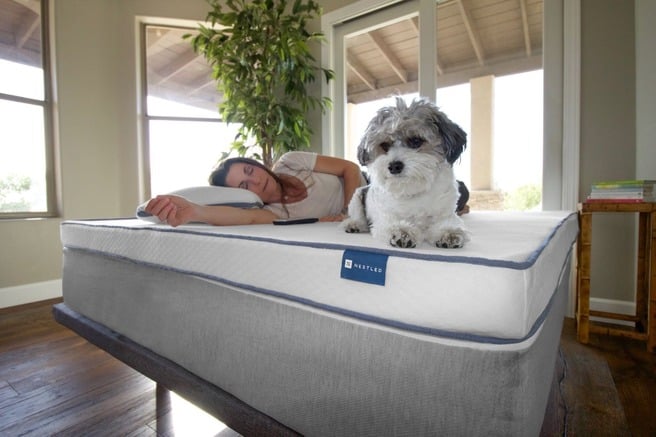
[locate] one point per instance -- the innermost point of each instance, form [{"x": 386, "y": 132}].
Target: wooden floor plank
[
  {"x": 44, "y": 398},
  {"x": 130, "y": 413},
  {"x": 25, "y": 361},
  {"x": 60, "y": 369},
  {"x": 591, "y": 399},
  {"x": 634, "y": 374},
  {"x": 88, "y": 405},
  {"x": 7, "y": 393},
  {"x": 20, "y": 339}
]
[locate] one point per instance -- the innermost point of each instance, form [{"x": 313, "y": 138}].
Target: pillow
[{"x": 210, "y": 195}]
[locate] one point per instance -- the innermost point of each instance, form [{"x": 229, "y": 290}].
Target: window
[
  {"x": 26, "y": 166},
  {"x": 184, "y": 134},
  {"x": 487, "y": 76}
]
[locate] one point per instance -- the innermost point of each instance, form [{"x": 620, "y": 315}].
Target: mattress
[
  {"x": 429, "y": 341},
  {"x": 496, "y": 290}
]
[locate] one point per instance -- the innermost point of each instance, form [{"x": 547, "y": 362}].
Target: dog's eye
[
  {"x": 385, "y": 146},
  {"x": 415, "y": 142}
]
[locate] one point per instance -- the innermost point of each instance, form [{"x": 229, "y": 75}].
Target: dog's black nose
[{"x": 395, "y": 167}]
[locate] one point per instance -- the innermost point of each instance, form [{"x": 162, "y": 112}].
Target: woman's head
[{"x": 249, "y": 174}]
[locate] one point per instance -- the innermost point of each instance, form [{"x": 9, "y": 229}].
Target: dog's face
[{"x": 405, "y": 147}]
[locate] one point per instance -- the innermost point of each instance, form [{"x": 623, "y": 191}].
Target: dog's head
[{"x": 413, "y": 141}]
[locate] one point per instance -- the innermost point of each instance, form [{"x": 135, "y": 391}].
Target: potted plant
[{"x": 260, "y": 56}]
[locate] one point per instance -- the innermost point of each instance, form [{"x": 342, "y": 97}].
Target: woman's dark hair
[{"x": 219, "y": 174}]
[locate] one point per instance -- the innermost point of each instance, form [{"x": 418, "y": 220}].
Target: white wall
[
  {"x": 608, "y": 146},
  {"x": 645, "y": 17}
]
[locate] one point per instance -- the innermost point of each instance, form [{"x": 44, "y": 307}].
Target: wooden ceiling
[
  {"x": 474, "y": 38},
  {"x": 20, "y": 31}
]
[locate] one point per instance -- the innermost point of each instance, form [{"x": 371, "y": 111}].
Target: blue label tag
[{"x": 364, "y": 267}]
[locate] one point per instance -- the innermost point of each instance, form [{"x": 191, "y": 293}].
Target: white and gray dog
[{"x": 409, "y": 152}]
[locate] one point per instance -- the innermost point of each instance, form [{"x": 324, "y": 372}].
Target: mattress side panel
[{"x": 315, "y": 372}]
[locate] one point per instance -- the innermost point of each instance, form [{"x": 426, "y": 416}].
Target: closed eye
[
  {"x": 248, "y": 170},
  {"x": 415, "y": 142}
]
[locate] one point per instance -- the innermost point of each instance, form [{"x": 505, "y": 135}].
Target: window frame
[
  {"x": 52, "y": 199},
  {"x": 561, "y": 68},
  {"x": 145, "y": 169}
]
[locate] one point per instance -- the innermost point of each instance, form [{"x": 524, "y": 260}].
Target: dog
[{"x": 412, "y": 196}]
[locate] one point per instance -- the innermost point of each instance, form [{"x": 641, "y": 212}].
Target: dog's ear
[
  {"x": 363, "y": 155},
  {"x": 454, "y": 138},
  {"x": 372, "y": 128}
]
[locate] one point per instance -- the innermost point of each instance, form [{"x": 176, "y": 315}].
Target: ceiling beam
[
  {"x": 360, "y": 71},
  {"x": 389, "y": 56},
  {"x": 473, "y": 35},
  {"x": 496, "y": 67},
  {"x": 177, "y": 65},
  {"x": 26, "y": 29},
  {"x": 527, "y": 36},
  {"x": 30, "y": 22},
  {"x": 20, "y": 55},
  {"x": 153, "y": 36},
  {"x": 33, "y": 5},
  {"x": 415, "y": 26},
  {"x": 203, "y": 83}
]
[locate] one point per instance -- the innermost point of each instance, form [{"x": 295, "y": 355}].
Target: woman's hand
[{"x": 174, "y": 210}]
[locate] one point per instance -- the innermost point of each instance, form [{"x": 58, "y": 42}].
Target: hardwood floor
[{"x": 53, "y": 382}]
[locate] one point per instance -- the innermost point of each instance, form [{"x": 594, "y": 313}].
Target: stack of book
[{"x": 630, "y": 191}]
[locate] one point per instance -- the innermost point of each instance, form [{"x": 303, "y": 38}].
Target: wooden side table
[{"x": 645, "y": 315}]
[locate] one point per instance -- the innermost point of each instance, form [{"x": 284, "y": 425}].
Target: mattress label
[{"x": 364, "y": 266}]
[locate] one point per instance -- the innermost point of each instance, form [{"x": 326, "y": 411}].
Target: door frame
[{"x": 561, "y": 66}]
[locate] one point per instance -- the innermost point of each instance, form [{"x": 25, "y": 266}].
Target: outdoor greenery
[
  {"x": 524, "y": 198},
  {"x": 11, "y": 193},
  {"x": 260, "y": 55}
]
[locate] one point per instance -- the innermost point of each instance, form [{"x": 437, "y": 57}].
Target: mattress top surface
[{"x": 496, "y": 289}]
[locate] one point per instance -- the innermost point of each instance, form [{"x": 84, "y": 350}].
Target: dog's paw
[
  {"x": 453, "y": 239},
  {"x": 352, "y": 226},
  {"x": 402, "y": 239}
]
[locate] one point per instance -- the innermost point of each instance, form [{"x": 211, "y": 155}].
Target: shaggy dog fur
[{"x": 409, "y": 152}]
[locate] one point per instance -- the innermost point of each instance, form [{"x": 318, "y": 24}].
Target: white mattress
[{"x": 497, "y": 289}]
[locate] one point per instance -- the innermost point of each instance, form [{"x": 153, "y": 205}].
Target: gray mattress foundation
[{"x": 320, "y": 373}]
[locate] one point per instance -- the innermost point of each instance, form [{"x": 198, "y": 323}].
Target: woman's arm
[
  {"x": 176, "y": 211},
  {"x": 347, "y": 170}
]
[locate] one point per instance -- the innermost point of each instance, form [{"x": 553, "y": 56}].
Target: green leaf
[{"x": 262, "y": 62}]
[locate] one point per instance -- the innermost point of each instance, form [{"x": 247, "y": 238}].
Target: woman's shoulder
[{"x": 296, "y": 160}]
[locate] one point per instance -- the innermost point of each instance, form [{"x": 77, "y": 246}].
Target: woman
[{"x": 302, "y": 184}]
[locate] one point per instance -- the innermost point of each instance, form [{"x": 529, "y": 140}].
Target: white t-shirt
[{"x": 325, "y": 192}]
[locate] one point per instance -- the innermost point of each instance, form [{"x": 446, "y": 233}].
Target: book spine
[
  {"x": 611, "y": 200},
  {"x": 638, "y": 183}
]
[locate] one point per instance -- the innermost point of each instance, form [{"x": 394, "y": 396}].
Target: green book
[{"x": 629, "y": 183}]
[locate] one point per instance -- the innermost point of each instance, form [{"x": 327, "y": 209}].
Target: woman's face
[{"x": 255, "y": 179}]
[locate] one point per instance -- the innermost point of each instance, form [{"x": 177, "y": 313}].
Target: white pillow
[{"x": 209, "y": 195}]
